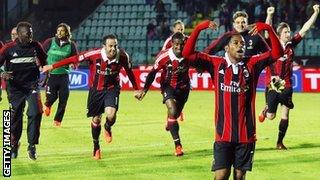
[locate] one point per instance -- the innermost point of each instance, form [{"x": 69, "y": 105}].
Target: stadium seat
[
  {"x": 102, "y": 15},
  {"x": 95, "y": 15},
  {"x": 87, "y": 30},
  {"x": 101, "y": 22},
  {"x": 141, "y": 8},
  {"x": 134, "y": 8},
  {"x": 94, "y": 22},
  {"x": 128, "y": 8},
  {"x": 88, "y": 22},
  {"x": 103, "y": 8},
  {"x": 127, "y": 15},
  {"x": 109, "y": 8},
  {"x": 100, "y": 30},
  {"x": 133, "y": 22},
  {"x": 122, "y": 8},
  {"x": 113, "y": 22}
]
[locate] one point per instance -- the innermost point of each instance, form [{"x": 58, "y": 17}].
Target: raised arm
[
  {"x": 310, "y": 22},
  {"x": 189, "y": 47},
  {"x": 275, "y": 45},
  {"x": 73, "y": 59},
  {"x": 270, "y": 12}
]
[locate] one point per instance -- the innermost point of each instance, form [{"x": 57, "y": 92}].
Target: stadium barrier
[{"x": 304, "y": 79}]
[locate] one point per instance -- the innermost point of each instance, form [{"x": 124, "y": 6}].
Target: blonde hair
[
  {"x": 239, "y": 14},
  {"x": 281, "y": 26},
  {"x": 177, "y": 22}
]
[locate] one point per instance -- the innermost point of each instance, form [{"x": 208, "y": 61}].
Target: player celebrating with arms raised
[
  {"x": 235, "y": 80},
  {"x": 278, "y": 75}
]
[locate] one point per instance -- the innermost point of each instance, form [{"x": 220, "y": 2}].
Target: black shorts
[
  {"x": 179, "y": 94},
  {"x": 284, "y": 98},
  {"x": 226, "y": 154},
  {"x": 99, "y": 100}
]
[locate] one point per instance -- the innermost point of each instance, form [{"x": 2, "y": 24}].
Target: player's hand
[
  {"x": 139, "y": 94},
  {"x": 316, "y": 8},
  {"x": 270, "y": 10},
  {"x": 47, "y": 68},
  {"x": 213, "y": 25},
  {"x": 252, "y": 29},
  {"x": 74, "y": 66},
  {"x": 7, "y": 75}
]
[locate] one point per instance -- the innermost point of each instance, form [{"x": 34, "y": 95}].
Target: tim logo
[{"x": 78, "y": 79}]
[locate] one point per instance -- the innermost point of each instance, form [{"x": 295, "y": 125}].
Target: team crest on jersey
[
  {"x": 284, "y": 57},
  {"x": 246, "y": 73},
  {"x": 15, "y": 54},
  {"x": 250, "y": 43}
]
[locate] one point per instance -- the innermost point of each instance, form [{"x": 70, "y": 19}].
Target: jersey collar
[
  {"x": 172, "y": 56},
  {"x": 235, "y": 67}
]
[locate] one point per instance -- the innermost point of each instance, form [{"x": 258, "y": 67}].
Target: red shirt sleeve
[
  {"x": 87, "y": 55},
  {"x": 296, "y": 39},
  {"x": 126, "y": 63}
]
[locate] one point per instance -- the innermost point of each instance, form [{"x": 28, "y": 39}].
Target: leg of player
[
  {"x": 239, "y": 174},
  {"x": 283, "y": 126},
  {"x": 51, "y": 97},
  {"x": 173, "y": 126},
  {"x": 263, "y": 114},
  {"x": 63, "y": 98},
  {"x": 222, "y": 174},
  {"x": 110, "y": 120},
  {"x": 95, "y": 131},
  {"x": 272, "y": 101}
]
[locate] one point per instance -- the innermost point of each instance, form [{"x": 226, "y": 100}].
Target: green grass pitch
[{"x": 142, "y": 149}]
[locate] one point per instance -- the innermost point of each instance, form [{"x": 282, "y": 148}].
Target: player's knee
[
  {"x": 222, "y": 174},
  {"x": 96, "y": 119},
  {"x": 271, "y": 116},
  {"x": 172, "y": 111},
  {"x": 111, "y": 116},
  {"x": 239, "y": 174}
]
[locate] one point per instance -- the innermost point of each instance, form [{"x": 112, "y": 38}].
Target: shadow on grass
[{"x": 300, "y": 146}]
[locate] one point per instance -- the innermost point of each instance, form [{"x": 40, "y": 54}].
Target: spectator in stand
[
  {"x": 160, "y": 10},
  {"x": 151, "y": 30},
  {"x": 225, "y": 18}
]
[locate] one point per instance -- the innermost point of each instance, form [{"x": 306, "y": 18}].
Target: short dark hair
[
  {"x": 178, "y": 35},
  {"x": 281, "y": 26},
  {"x": 229, "y": 36},
  {"x": 23, "y": 24},
  {"x": 67, "y": 28},
  {"x": 109, "y": 36}
]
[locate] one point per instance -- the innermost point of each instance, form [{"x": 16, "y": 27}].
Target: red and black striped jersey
[
  {"x": 283, "y": 67},
  {"x": 104, "y": 72},
  {"x": 24, "y": 62},
  {"x": 235, "y": 86},
  {"x": 235, "y": 91},
  {"x": 174, "y": 70}
]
